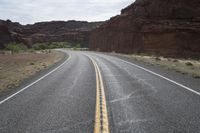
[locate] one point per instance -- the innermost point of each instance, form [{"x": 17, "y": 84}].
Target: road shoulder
[
  {"x": 31, "y": 78},
  {"x": 184, "y": 79}
]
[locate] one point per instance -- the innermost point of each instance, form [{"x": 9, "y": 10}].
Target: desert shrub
[
  {"x": 196, "y": 76},
  {"x": 157, "y": 59},
  {"x": 78, "y": 45},
  {"x": 51, "y": 45},
  {"x": 188, "y": 64},
  {"x": 31, "y": 63},
  {"x": 16, "y": 47},
  {"x": 175, "y": 60},
  {"x": 40, "y": 46}
]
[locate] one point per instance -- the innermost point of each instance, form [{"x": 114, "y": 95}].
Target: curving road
[{"x": 139, "y": 98}]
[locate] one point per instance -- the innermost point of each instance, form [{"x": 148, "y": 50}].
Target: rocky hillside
[
  {"x": 55, "y": 31},
  {"x": 162, "y": 27},
  {"x": 5, "y": 35}
]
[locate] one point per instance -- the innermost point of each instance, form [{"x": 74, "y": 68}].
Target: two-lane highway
[
  {"x": 92, "y": 90},
  {"x": 64, "y": 101},
  {"x": 142, "y": 101}
]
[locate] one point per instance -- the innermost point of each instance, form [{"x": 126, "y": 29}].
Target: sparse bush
[
  {"x": 78, "y": 45},
  {"x": 196, "y": 76},
  {"x": 11, "y": 85},
  {"x": 51, "y": 45},
  {"x": 16, "y": 47},
  {"x": 188, "y": 64},
  {"x": 32, "y": 63},
  {"x": 157, "y": 59},
  {"x": 175, "y": 60},
  {"x": 40, "y": 46}
]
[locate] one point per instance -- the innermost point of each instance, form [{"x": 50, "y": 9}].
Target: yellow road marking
[{"x": 101, "y": 124}]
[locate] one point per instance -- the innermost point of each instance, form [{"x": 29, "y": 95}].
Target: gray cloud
[{"x": 31, "y": 11}]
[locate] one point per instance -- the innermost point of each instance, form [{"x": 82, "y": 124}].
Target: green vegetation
[
  {"x": 196, "y": 76},
  {"x": 157, "y": 59},
  {"x": 51, "y": 45},
  {"x": 78, "y": 45},
  {"x": 16, "y": 47},
  {"x": 188, "y": 64}
]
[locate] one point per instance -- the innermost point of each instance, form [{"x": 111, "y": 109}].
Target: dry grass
[
  {"x": 183, "y": 66},
  {"x": 14, "y": 68}
]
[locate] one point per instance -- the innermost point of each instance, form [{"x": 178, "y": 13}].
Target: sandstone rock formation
[
  {"x": 162, "y": 27},
  {"x": 55, "y": 31},
  {"x": 5, "y": 35}
]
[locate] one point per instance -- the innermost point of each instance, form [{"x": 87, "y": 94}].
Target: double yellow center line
[{"x": 101, "y": 116}]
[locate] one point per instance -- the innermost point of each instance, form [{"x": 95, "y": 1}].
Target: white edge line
[
  {"x": 6, "y": 99},
  {"x": 183, "y": 86}
]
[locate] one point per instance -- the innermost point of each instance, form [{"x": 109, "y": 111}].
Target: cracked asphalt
[{"x": 137, "y": 101}]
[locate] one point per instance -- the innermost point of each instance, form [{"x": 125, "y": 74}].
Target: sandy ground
[
  {"x": 184, "y": 66},
  {"x": 14, "y": 68}
]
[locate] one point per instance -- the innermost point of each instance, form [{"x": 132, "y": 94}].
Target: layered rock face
[
  {"x": 55, "y": 31},
  {"x": 169, "y": 28},
  {"x": 5, "y": 35}
]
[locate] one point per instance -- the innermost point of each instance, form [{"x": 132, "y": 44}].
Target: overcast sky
[{"x": 31, "y": 11}]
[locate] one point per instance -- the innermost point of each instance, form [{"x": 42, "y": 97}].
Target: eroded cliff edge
[
  {"x": 169, "y": 28},
  {"x": 53, "y": 31}
]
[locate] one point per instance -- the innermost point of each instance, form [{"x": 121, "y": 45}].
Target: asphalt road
[{"x": 139, "y": 99}]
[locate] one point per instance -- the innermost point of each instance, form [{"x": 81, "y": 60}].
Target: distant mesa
[
  {"x": 54, "y": 31},
  {"x": 162, "y": 27}
]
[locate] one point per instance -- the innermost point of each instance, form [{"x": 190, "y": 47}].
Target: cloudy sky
[{"x": 31, "y": 11}]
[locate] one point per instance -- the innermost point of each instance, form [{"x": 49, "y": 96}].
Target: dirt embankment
[{"x": 14, "y": 68}]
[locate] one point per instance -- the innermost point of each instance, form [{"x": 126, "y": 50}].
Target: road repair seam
[
  {"x": 149, "y": 71},
  {"x": 11, "y": 96},
  {"x": 101, "y": 124}
]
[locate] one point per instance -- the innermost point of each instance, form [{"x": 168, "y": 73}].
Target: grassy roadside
[
  {"x": 16, "y": 67},
  {"x": 184, "y": 66}
]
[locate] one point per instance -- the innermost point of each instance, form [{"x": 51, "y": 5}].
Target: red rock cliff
[
  {"x": 162, "y": 27},
  {"x": 5, "y": 35},
  {"x": 54, "y": 31}
]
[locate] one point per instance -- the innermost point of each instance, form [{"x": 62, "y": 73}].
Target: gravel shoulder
[
  {"x": 15, "y": 68},
  {"x": 183, "y": 66}
]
